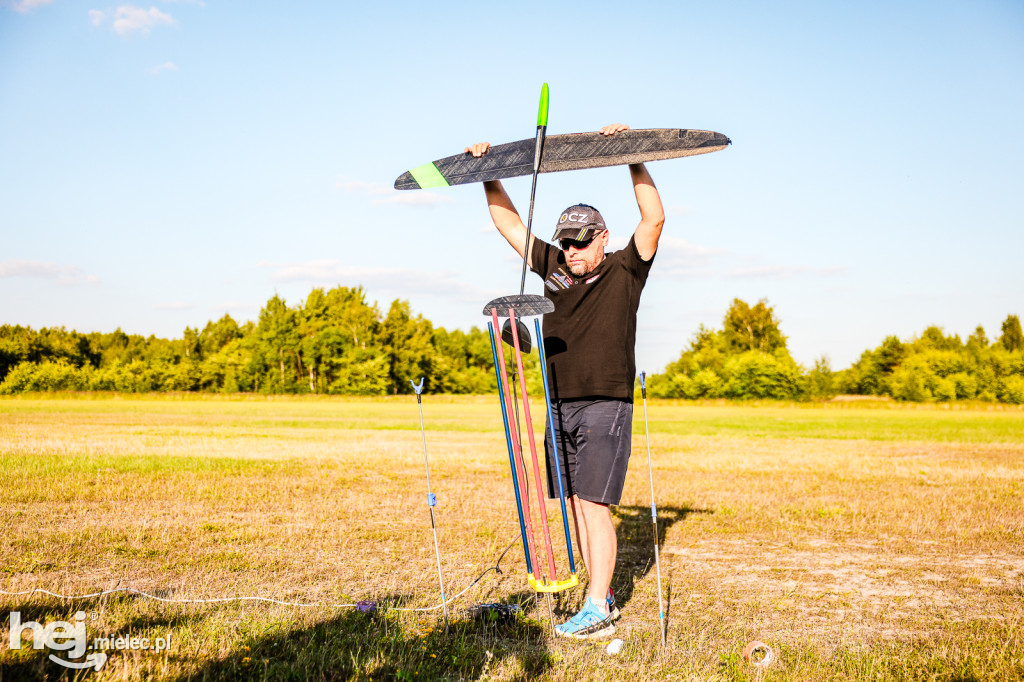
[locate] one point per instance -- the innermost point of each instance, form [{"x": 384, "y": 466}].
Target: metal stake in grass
[
  {"x": 654, "y": 507},
  {"x": 431, "y": 498}
]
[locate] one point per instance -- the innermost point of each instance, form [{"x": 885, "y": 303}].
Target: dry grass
[{"x": 860, "y": 541}]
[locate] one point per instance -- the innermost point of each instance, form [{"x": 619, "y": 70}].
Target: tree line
[
  {"x": 335, "y": 342},
  {"x": 748, "y": 358}
]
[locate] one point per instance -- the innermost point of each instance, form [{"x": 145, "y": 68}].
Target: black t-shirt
[{"x": 589, "y": 340}]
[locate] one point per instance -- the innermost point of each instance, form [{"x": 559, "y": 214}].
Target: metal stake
[
  {"x": 654, "y": 507},
  {"x": 431, "y": 498}
]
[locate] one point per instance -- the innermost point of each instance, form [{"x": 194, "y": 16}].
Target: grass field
[{"x": 861, "y": 541}]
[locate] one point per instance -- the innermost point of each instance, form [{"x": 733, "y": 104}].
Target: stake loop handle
[{"x": 544, "y": 585}]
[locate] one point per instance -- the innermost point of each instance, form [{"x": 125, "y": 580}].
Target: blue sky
[{"x": 162, "y": 164}]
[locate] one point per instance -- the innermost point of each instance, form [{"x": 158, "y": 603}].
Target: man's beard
[{"x": 581, "y": 270}]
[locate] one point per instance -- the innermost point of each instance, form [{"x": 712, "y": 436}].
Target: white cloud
[
  {"x": 679, "y": 258},
  {"x": 175, "y": 305},
  {"x": 160, "y": 68},
  {"x": 389, "y": 195},
  {"x": 127, "y": 19},
  {"x": 66, "y": 275},
  {"x": 26, "y": 6},
  {"x": 401, "y": 282}
]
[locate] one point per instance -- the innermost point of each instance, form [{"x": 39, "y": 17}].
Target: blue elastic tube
[
  {"x": 511, "y": 451},
  {"x": 554, "y": 444}
]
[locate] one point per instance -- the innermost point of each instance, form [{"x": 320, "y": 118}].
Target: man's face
[{"x": 583, "y": 257}]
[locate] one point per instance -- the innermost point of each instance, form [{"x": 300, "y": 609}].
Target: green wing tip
[
  {"x": 427, "y": 176},
  {"x": 542, "y": 114}
]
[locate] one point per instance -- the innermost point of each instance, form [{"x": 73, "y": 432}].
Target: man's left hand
[{"x": 613, "y": 128}]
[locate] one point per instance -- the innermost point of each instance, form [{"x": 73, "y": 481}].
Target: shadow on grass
[
  {"x": 385, "y": 645},
  {"x": 34, "y": 664},
  {"x": 635, "y": 536},
  {"x": 344, "y": 645}
]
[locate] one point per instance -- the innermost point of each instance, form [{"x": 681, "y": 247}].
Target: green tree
[
  {"x": 462, "y": 362},
  {"x": 754, "y": 374},
  {"x": 978, "y": 339},
  {"x": 340, "y": 342},
  {"x": 821, "y": 381},
  {"x": 216, "y": 335},
  {"x": 315, "y": 333},
  {"x": 1012, "y": 338},
  {"x": 14, "y": 343},
  {"x": 278, "y": 347},
  {"x": 747, "y": 359},
  {"x": 193, "y": 347},
  {"x": 870, "y": 374},
  {"x": 752, "y": 328},
  {"x": 407, "y": 346}
]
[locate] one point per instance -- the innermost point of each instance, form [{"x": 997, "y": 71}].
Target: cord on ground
[{"x": 221, "y": 600}]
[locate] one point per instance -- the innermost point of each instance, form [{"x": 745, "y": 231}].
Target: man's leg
[
  {"x": 598, "y": 545},
  {"x": 593, "y": 529},
  {"x": 600, "y": 430}
]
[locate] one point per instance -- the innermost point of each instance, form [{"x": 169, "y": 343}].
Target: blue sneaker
[
  {"x": 589, "y": 623},
  {"x": 613, "y": 610}
]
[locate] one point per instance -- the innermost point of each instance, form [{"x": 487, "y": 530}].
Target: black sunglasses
[{"x": 566, "y": 244}]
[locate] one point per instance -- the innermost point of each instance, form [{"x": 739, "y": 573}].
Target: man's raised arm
[
  {"x": 503, "y": 212},
  {"x": 652, "y": 215}
]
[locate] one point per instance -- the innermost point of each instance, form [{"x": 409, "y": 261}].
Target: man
[{"x": 589, "y": 341}]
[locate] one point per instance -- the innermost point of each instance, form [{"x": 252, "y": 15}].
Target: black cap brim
[{"x": 578, "y": 234}]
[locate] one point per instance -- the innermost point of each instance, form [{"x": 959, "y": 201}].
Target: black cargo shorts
[{"x": 594, "y": 438}]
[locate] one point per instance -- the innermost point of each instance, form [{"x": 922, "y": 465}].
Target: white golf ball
[{"x": 614, "y": 647}]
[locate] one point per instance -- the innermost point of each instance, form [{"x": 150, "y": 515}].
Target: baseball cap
[{"x": 579, "y": 222}]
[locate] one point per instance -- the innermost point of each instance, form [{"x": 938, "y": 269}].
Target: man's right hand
[{"x": 478, "y": 149}]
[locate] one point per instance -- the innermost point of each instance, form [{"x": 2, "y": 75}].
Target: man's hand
[
  {"x": 613, "y": 128},
  {"x": 481, "y": 148},
  {"x": 478, "y": 149}
]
